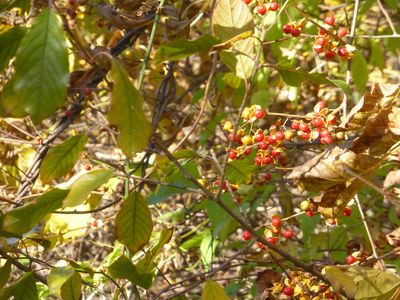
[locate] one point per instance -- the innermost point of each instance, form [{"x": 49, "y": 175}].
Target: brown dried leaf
[
  {"x": 325, "y": 170},
  {"x": 394, "y": 238},
  {"x": 265, "y": 280}
]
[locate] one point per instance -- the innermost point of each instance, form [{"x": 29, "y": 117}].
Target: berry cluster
[
  {"x": 294, "y": 28},
  {"x": 224, "y": 185},
  {"x": 330, "y": 43},
  {"x": 298, "y": 283},
  {"x": 271, "y": 232},
  {"x": 269, "y": 144},
  {"x": 262, "y": 7}
]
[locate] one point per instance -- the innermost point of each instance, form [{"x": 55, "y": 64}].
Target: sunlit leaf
[
  {"x": 41, "y": 68},
  {"x": 23, "y": 289},
  {"x": 20, "y": 220},
  {"x": 239, "y": 171},
  {"x": 126, "y": 112},
  {"x": 133, "y": 223},
  {"x": 65, "y": 282},
  {"x": 61, "y": 159},
  {"x": 182, "y": 48},
  {"x": 230, "y": 18},
  {"x": 84, "y": 184},
  {"x": 213, "y": 291}
]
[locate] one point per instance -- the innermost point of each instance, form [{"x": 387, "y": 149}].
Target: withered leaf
[
  {"x": 394, "y": 238},
  {"x": 265, "y": 280}
]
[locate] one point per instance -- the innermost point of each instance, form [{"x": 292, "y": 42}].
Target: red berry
[
  {"x": 260, "y": 245},
  {"x": 263, "y": 145},
  {"x": 71, "y": 2},
  {"x": 318, "y": 48},
  {"x": 276, "y": 221},
  {"x": 246, "y": 1},
  {"x": 259, "y": 137},
  {"x": 322, "y": 31},
  {"x": 261, "y": 9},
  {"x": 342, "y": 32},
  {"x": 287, "y": 29},
  {"x": 295, "y": 32},
  {"x": 342, "y": 52},
  {"x": 305, "y": 135},
  {"x": 279, "y": 135},
  {"x": 232, "y": 154},
  {"x": 259, "y": 113},
  {"x": 271, "y": 139},
  {"x": 247, "y": 151},
  {"x": 272, "y": 240},
  {"x": 88, "y": 168},
  {"x": 275, "y": 153},
  {"x": 350, "y": 259},
  {"x": 88, "y": 91},
  {"x": 68, "y": 113},
  {"x": 326, "y": 140},
  {"x": 258, "y": 160},
  {"x": 347, "y": 211},
  {"x": 267, "y": 176},
  {"x": 304, "y": 127},
  {"x": 288, "y": 291},
  {"x": 288, "y": 234},
  {"x": 321, "y": 41},
  {"x": 274, "y": 6},
  {"x": 329, "y": 54},
  {"x": 295, "y": 125},
  {"x": 310, "y": 213},
  {"x": 332, "y": 121},
  {"x": 100, "y": 23},
  {"x": 329, "y": 20},
  {"x": 246, "y": 235},
  {"x": 317, "y": 122},
  {"x": 267, "y": 160},
  {"x": 282, "y": 160}
]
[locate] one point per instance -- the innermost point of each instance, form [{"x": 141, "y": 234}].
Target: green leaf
[
  {"x": 364, "y": 283},
  {"x": 9, "y": 43},
  {"x": 71, "y": 289},
  {"x": 182, "y": 48},
  {"x": 241, "y": 64},
  {"x": 377, "y": 57},
  {"x": 296, "y": 77},
  {"x": 20, "y": 220},
  {"x": 207, "y": 249},
  {"x": 84, "y": 184},
  {"x": 65, "y": 282},
  {"x": 213, "y": 291},
  {"x": 239, "y": 171},
  {"x": 23, "y": 289},
  {"x": 230, "y": 18},
  {"x": 359, "y": 71},
  {"x": 126, "y": 112},
  {"x": 9, "y": 4},
  {"x": 5, "y": 273},
  {"x": 133, "y": 223},
  {"x": 147, "y": 262},
  {"x": 123, "y": 268},
  {"x": 340, "y": 280},
  {"x": 41, "y": 68},
  {"x": 61, "y": 159}
]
